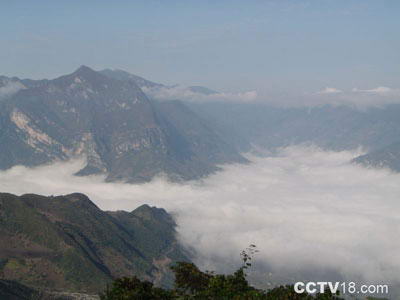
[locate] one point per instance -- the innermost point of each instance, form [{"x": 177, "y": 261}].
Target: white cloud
[
  {"x": 383, "y": 90},
  {"x": 10, "y": 88},
  {"x": 329, "y": 90},
  {"x": 185, "y": 94},
  {"x": 310, "y": 212},
  {"x": 357, "y": 98}
]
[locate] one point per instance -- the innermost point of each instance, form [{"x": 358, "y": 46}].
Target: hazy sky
[{"x": 230, "y": 45}]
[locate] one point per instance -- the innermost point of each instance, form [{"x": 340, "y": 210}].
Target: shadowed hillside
[{"x": 67, "y": 243}]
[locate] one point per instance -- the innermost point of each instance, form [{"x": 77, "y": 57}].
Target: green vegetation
[
  {"x": 191, "y": 283},
  {"x": 67, "y": 243}
]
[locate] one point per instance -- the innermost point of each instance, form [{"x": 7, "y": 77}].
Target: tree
[
  {"x": 191, "y": 283},
  {"x": 133, "y": 288}
]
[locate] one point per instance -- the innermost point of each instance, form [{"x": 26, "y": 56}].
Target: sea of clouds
[
  {"x": 186, "y": 94},
  {"x": 310, "y": 212}
]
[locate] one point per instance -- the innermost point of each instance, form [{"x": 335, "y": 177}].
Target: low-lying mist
[{"x": 310, "y": 212}]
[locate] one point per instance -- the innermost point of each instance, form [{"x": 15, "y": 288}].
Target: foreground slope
[{"x": 68, "y": 243}]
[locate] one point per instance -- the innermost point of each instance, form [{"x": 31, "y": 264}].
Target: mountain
[
  {"x": 112, "y": 122},
  {"x": 125, "y": 76},
  {"x": 252, "y": 125},
  {"x": 387, "y": 157},
  {"x": 376, "y": 129},
  {"x": 67, "y": 243},
  {"x": 331, "y": 127},
  {"x": 202, "y": 90},
  {"x": 201, "y": 139},
  {"x": 147, "y": 84},
  {"x": 128, "y": 136}
]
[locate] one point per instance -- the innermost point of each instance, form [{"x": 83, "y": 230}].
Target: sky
[
  {"x": 311, "y": 213},
  {"x": 271, "y": 46}
]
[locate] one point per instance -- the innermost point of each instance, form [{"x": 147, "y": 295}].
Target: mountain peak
[
  {"x": 83, "y": 70},
  {"x": 152, "y": 213},
  {"x": 126, "y": 76},
  {"x": 82, "y": 76}
]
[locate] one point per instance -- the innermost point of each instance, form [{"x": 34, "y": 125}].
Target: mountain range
[
  {"x": 123, "y": 134},
  {"x": 127, "y": 135},
  {"x": 147, "y": 84},
  {"x": 375, "y": 129}
]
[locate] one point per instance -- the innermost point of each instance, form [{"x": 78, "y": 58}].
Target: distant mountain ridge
[
  {"x": 67, "y": 243},
  {"x": 386, "y": 157},
  {"x": 147, "y": 84},
  {"x": 125, "y": 76},
  {"x": 185, "y": 140},
  {"x": 122, "y": 133},
  {"x": 375, "y": 129}
]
